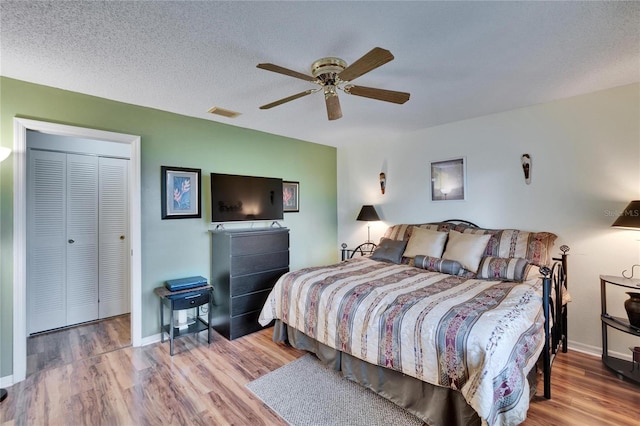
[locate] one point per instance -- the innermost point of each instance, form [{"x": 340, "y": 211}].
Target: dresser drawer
[
  {"x": 248, "y": 302},
  {"x": 191, "y": 300},
  {"x": 259, "y": 243},
  {"x": 243, "y": 265},
  {"x": 255, "y": 282}
]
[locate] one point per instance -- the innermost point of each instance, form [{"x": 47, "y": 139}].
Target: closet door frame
[{"x": 20, "y": 128}]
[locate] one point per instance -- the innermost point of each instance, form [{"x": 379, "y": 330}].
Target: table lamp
[
  {"x": 629, "y": 219},
  {"x": 368, "y": 214}
]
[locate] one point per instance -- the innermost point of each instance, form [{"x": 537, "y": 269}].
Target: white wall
[{"x": 585, "y": 168}]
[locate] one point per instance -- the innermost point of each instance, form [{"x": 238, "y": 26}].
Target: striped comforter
[{"x": 479, "y": 337}]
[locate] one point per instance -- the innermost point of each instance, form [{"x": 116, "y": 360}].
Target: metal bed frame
[{"x": 554, "y": 285}]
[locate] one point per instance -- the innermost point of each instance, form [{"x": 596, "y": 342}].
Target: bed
[{"x": 448, "y": 320}]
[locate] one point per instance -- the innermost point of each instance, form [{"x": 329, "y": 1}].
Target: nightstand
[
  {"x": 622, "y": 368},
  {"x": 184, "y": 299}
]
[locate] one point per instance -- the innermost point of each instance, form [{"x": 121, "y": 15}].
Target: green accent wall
[{"x": 173, "y": 248}]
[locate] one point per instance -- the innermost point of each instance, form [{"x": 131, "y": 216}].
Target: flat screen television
[{"x": 245, "y": 198}]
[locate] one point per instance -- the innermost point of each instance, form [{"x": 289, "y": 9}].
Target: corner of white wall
[{"x": 585, "y": 164}]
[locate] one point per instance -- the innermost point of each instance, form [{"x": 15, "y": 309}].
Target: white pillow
[
  {"x": 466, "y": 249},
  {"x": 425, "y": 242}
]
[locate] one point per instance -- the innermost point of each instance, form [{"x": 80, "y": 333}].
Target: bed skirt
[{"x": 434, "y": 405}]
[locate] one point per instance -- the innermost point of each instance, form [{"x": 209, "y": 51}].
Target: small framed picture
[
  {"x": 291, "y": 196},
  {"x": 180, "y": 192},
  {"x": 448, "y": 180}
]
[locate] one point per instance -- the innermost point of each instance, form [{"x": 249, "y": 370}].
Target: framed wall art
[
  {"x": 180, "y": 192},
  {"x": 448, "y": 180},
  {"x": 291, "y": 196}
]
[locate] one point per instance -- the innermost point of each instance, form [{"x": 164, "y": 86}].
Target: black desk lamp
[
  {"x": 368, "y": 214},
  {"x": 629, "y": 219}
]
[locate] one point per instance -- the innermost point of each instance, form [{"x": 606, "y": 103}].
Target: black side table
[
  {"x": 624, "y": 369},
  {"x": 184, "y": 299}
]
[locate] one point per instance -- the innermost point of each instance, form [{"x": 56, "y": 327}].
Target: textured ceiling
[{"x": 457, "y": 59}]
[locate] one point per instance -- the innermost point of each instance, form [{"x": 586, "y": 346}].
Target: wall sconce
[
  {"x": 526, "y": 167},
  {"x": 383, "y": 183},
  {"x": 368, "y": 214}
]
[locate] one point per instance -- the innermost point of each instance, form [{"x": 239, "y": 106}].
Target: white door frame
[{"x": 20, "y": 127}]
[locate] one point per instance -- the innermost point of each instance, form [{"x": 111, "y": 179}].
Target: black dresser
[{"x": 245, "y": 264}]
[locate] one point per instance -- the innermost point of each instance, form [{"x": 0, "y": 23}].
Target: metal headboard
[{"x": 461, "y": 222}]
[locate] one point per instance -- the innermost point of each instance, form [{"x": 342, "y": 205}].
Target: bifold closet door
[
  {"x": 46, "y": 245},
  {"x": 114, "y": 237},
  {"x": 62, "y": 240},
  {"x": 82, "y": 238}
]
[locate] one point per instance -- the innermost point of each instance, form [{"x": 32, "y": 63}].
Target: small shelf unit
[
  {"x": 179, "y": 300},
  {"x": 624, "y": 369}
]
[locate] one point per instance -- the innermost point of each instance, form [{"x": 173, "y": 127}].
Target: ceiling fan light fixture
[{"x": 330, "y": 90}]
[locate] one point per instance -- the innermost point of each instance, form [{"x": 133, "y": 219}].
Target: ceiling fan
[{"x": 332, "y": 74}]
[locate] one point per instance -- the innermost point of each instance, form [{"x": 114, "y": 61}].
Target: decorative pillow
[
  {"x": 535, "y": 247},
  {"x": 466, "y": 249},
  {"x": 506, "y": 269},
  {"x": 398, "y": 232},
  {"x": 404, "y": 231},
  {"x": 389, "y": 250},
  {"x": 425, "y": 242},
  {"x": 532, "y": 272},
  {"x": 436, "y": 264}
]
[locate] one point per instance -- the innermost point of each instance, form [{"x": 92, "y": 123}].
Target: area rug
[{"x": 306, "y": 393}]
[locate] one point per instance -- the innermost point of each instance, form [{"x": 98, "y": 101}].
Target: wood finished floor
[
  {"x": 205, "y": 385},
  {"x": 60, "y": 347}
]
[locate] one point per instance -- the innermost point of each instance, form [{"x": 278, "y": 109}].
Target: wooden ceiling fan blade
[
  {"x": 378, "y": 94},
  {"x": 286, "y": 71},
  {"x": 287, "y": 99},
  {"x": 333, "y": 106},
  {"x": 370, "y": 61}
]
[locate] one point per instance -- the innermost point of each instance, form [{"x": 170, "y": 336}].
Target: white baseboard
[
  {"x": 596, "y": 350},
  {"x": 149, "y": 340},
  {"x": 6, "y": 381},
  {"x": 585, "y": 349}
]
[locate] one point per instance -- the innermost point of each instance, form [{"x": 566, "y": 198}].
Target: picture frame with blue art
[
  {"x": 180, "y": 192},
  {"x": 291, "y": 196}
]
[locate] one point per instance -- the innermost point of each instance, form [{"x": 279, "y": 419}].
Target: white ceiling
[{"x": 457, "y": 59}]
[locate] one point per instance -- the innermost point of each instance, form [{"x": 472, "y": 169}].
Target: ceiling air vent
[{"x": 223, "y": 112}]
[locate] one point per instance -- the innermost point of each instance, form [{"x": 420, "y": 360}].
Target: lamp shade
[
  {"x": 630, "y": 217},
  {"x": 368, "y": 213}
]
